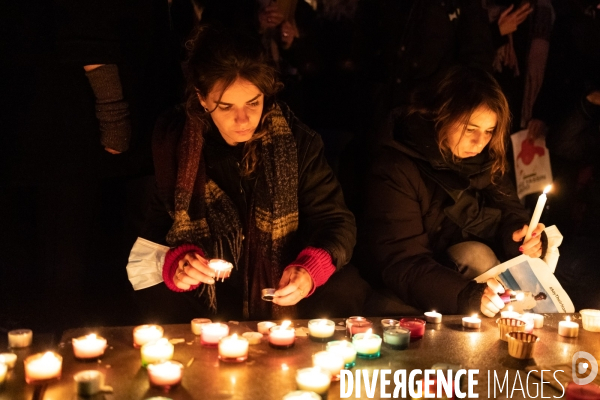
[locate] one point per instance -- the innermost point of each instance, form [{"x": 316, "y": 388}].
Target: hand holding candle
[{"x": 537, "y": 213}]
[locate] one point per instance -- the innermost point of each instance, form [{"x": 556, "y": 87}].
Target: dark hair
[
  {"x": 219, "y": 55},
  {"x": 455, "y": 98}
]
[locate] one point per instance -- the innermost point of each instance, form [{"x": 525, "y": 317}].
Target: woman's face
[
  {"x": 468, "y": 141},
  {"x": 237, "y": 112}
]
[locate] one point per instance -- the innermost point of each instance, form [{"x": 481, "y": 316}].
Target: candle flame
[
  {"x": 48, "y": 356},
  {"x": 2, "y": 360},
  {"x": 547, "y": 189},
  {"x": 285, "y": 324},
  {"x": 433, "y": 311},
  {"x": 234, "y": 336},
  {"x": 368, "y": 333},
  {"x": 284, "y": 367},
  {"x": 520, "y": 296},
  {"x": 474, "y": 316},
  {"x": 568, "y": 319},
  {"x": 91, "y": 336},
  {"x": 510, "y": 308}
]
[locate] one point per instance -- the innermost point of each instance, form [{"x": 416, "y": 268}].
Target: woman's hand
[
  {"x": 532, "y": 247},
  {"x": 491, "y": 303},
  {"x": 270, "y": 17},
  {"x": 192, "y": 270},
  {"x": 536, "y": 128},
  {"x": 294, "y": 285},
  {"x": 509, "y": 20}
]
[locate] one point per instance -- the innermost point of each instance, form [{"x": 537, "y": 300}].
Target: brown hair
[
  {"x": 454, "y": 100},
  {"x": 217, "y": 55}
]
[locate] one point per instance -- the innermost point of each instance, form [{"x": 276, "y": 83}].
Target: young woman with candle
[
  {"x": 240, "y": 178},
  {"x": 441, "y": 209}
]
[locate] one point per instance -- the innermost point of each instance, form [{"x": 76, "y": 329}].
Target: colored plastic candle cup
[
  {"x": 88, "y": 347},
  {"x": 344, "y": 349},
  {"x": 416, "y": 327},
  {"x": 282, "y": 336},
  {"x": 9, "y": 359},
  {"x": 472, "y": 322},
  {"x": 165, "y": 375},
  {"x": 367, "y": 345},
  {"x": 158, "y": 351},
  {"x": 396, "y": 337},
  {"x": 329, "y": 362},
  {"x": 568, "y": 328},
  {"x": 253, "y": 337},
  {"x": 145, "y": 334},
  {"x": 265, "y": 326},
  {"x": 301, "y": 395},
  {"x": 197, "y": 323},
  {"x": 321, "y": 330},
  {"x": 233, "y": 349},
  {"x": 591, "y": 320},
  {"x": 212, "y": 333},
  {"x": 313, "y": 380},
  {"x": 591, "y": 391},
  {"x": 433, "y": 317},
  {"x": 389, "y": 322},
  {"x": 42, "y": 367},
  {"x": 88, "y": 383},
  {"x": 356, "y": 325},
  {"x": 20, "y": 338}
]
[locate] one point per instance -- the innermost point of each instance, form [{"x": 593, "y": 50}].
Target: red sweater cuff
[
  {"x": 172, "y": 261},
  {"x": 317, "y": 262}
]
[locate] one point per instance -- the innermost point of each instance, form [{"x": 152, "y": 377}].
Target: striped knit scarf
[{"x": 205, "y": 216}]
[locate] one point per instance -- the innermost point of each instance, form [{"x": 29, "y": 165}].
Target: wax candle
[
  {"x": 165, "y": 374},
  {"x": 416, "y": 327},
  {"x": 145, "y": 334},
  {"x": 20, "y": 338},
  {"x": 537, "y": 213},
  {"x": 538, "y": 319},
  {"x": 568, "y": 328},
  {"x": 356, "y": 325},
  {"x": 591, "y": 320},
  {"x": 233, "y": 349},
  {"x": 329, "y": 362},
  {"x": 197, "y": 323},
  {"x": 472, "y": 322},
  {"x": 89, "y": 382},
  {"x": 221, "y": 268},
  {"x": 282, "y": 336},
  {"x": 89, "y": 347},
  {"x": 591, "y": 391},
  {"x": 367, "y": 344},
  {"x": 301, "y": 395},
  {"x": 253, "y": 337},
  {"x": 212, "y": 333},
  {"x": 396, "y": 337},
  {"x": 433, "y": 317},
  {"x": 42, "y": 367},
  {"x": 389, "y": 322},
  {"x": 509, "y": 313},
  {"x": 152, "y": 352},
  {"x": 9, "y": 359},
  {"x": 313, "y": 380},
  {"x": 265, "y": 326},
  {"x": 3, "y": 369},
  {"x": 344, "y": 349},
  {"x": 321, "y": 330}
]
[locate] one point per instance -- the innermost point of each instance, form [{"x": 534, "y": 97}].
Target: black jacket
[
  {"x": 419, "y": 204},
  {"x": 324, "y": 220}
]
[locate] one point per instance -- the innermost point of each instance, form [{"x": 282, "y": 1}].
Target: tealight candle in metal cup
[
  {"x": 221, "y": 268},
  {"x": 268, "y": 294},
  {"x": 20, "y": 338},
  {"x": 389, "y": 322}
]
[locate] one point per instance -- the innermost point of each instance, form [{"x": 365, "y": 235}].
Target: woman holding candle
[
  {"x": 240, "y": 178},
  {"x": 440, "y": 208}
]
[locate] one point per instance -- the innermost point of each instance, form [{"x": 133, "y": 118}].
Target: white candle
[
  {"x": 88, "y": 382},
  {"x": 568, "y": 328},
  {"x": 145, "y": 334},
  {"x": 282, "y": 336},
  {"x": 9, "y": 359},
  {"x": 212, "y": 333},
  {"x": 433, "y": 317},
  {"x": 152, "y": 352},
  {"x": 165, "y": 374},
  {"x": 3, "y": 369},
  {"x": 538, "y": 319},
  {"x": 509, "y": 313},
  {"x": 233, "y": 349},
  {"x": 20, "y": 338},
  {"x": 591, "y": 320},
  {"x": 321, "y": 330},
  {"x": 344, "y": 349},
  {"x": 222, "y": 268},
  {"x": 197, "y": 323},
  {"x": 472, "y": 322},
  {"x": 313, "y": 379},
  {"x": 42, "y": 366},
  {"x": 367, "y": 344},
  {"x": 537, "y": 213},
  {"x": 90, "y": 346},
  {"x": 264, "y": 326},
  {"x": 329, "y": 362}
]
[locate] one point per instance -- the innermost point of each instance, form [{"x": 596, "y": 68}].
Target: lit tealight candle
[
  {"x": 265, "y": 326},
  {"x": 330, "y": 362},
  {"x": 9, "y": 359},
  {"x": 396, "y": 337},
  {"x": 222, "y": 268},
  {"x": 152, "y": 352},
  {"x": 42, "y": 367},
  {"x": 472, "y": 322},
  {"x": 89, "y": 382},
  {"x": 416, "y": 327},
  {"x": 356, "y": 325},
  {"x": 212, "y": 333},
  {"x": 165, "y": 375},
  {"x": 145, "y": 334},
  {"x": 568, "y": 328},
  {"x": 197, "y": 323},
  {"x": 367, "y": 344},
  {"x": 20, "y": 338},
  {"x": 344, "y": 349},
  {"x": 233, "y": 349},
  {"x": 89, "y": 347},
  {"x": 538, "y": 319},
  {"x": 591, "y": 320},
  {"x": 282, "y": 336},
  {"x": 509, "y": 313},
  {"x": 313, "y": 380},
  {"x": 433, "y": 317},
  {"x": 321, "y": 330},
  {"x": 537, "y": 213},
  {"x": 3, "y": 369},
  {"x": 253, "y": 337},
  {"x": 387, "y": 322}
]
